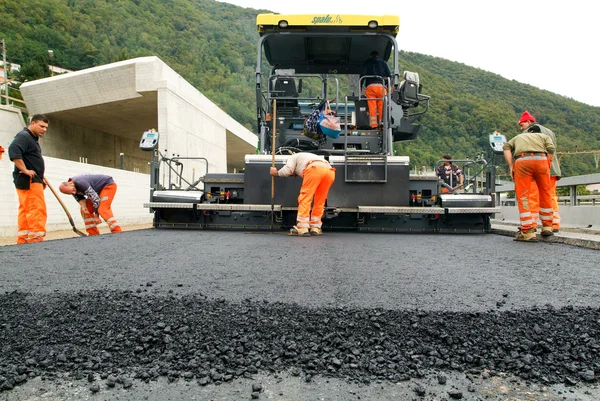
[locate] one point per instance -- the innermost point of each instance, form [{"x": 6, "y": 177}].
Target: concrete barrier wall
[
  {"x": 11, "y": 122},
  {"x": 133, "y": 189},
  {"x": 570, "y": 216}
]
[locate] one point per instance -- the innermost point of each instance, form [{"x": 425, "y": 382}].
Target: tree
[{"x": 33, "y": 69}]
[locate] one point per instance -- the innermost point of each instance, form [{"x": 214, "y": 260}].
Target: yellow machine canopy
[{"x": 325, "y": 43}]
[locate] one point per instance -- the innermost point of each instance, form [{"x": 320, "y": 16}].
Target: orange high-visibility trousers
[
  {"x": 317, "y": 179},
  {"x": 524, "y": 170},
  {"x": 534, "y": 203},
  {"x": 375, "y": 106},
  {"x": 104, "y": 210},
  {"x": 31, "y": 220}
]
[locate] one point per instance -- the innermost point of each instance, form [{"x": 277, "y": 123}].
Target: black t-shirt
[
  {"x": 375, "y": 66},
  {"x": 26, "y": 146}
]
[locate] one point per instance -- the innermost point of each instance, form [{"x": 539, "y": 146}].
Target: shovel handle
[{"x": 64, "y": 208}]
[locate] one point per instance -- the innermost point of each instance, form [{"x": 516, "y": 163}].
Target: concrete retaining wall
[
  {"x": 11, "y": 122},
  {"x": 69, "y": 141}
]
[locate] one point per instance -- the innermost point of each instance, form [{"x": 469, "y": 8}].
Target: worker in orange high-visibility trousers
[
  {"x": 95, "y": 193},
  {"x": 317, "y": 177},
  {"x": 28, "y": 176},
  {"x": 376, "y": 71},
  {"x": 533, "y": 153},
  {"x": 1, "y": 152},
  {"x": 529, "y": 124}
]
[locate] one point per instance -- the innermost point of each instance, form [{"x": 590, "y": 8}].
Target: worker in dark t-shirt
[
  {"x": 28, "y": 176},
  {"x": 451, "y": 175}
]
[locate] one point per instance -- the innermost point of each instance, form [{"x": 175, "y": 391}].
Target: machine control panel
[
  {"x": 149, "y": 140},
  {"x": 497, "y": 141}
]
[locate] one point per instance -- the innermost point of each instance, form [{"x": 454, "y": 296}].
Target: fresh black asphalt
[{"x": 216, "y": 307}]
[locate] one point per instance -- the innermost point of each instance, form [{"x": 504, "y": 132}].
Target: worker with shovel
[
  {"x": 28, "y": 176},
  {"x": 95, "y": 193}
]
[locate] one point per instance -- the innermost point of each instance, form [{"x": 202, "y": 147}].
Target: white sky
[{"x": 550, "y": 44}]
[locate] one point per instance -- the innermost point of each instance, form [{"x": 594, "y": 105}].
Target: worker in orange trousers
[
  {"x": 317, "y": 177},
  {"x": 95, "y": 193}
]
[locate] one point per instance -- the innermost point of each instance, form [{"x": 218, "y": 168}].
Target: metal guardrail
[
  {"x": 571, "y": 182},
  {"x": 7, "y": 100},
  {"x": 582, "y": 200}
]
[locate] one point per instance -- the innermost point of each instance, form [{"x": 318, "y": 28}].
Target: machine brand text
[{"x": 327, "y": 19}]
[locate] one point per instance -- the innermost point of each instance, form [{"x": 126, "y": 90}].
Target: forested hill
[
  {"x": 213, "y": 46},
  {"x": 468, "y": 104}
]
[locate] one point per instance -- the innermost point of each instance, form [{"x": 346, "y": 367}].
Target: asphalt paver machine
[{"x": 306, "y": 63}]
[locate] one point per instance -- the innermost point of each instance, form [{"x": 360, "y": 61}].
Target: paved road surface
[
  {"x": 449, "y": 278},
  {"x": 430, "y": 272}
]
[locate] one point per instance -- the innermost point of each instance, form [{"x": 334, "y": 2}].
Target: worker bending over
[
  {"x": 317, "y": 177},
  {"x": 95, "y": 193},
  {"x": 533, "y": 153}
]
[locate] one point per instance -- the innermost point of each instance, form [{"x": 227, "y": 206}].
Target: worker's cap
[{"x": 526, "y": 117}]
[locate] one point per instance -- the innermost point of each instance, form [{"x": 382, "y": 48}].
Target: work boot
[
  {"x": 556, "y": 230},
  {"x": 316, "y": 231},
  {"x": 300, "y": 232},
  {"x": 528, "y": 236},
  {"x": 547, "y": 232}
]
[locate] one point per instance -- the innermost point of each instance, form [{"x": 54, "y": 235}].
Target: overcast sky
[{"x": 549, "y": 44}]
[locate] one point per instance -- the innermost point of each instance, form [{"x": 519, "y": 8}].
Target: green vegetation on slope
[{"x": 468, "y": 104}]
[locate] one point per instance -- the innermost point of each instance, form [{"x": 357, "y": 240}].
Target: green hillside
[
  {"x": 213, "y": 46},
  {"x": 468, "y": 104}
]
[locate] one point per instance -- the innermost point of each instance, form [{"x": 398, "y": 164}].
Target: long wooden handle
[
  {"x": 58, "y": 199},
  {"x": 64, "y": 208},
  {"x": 274, "y": 135}
]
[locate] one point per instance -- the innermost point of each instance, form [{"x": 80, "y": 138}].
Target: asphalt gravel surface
[{"x": 178, "y": 314}]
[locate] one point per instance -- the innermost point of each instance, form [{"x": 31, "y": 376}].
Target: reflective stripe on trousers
[
  {"x": 375, "y": 106},
  {"x": 32, "y": 216},
  {"x": 90, "y": 222},
  {"x": 534, "y": 203},
  {"x": 104, "y": 210},
  {"x": 524, "y": 170},
  {"x": 316, "y": 181}
]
